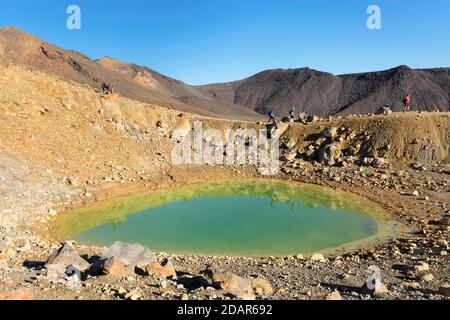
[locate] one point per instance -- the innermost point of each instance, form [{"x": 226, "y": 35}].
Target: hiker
[
  {"x": 407, "y": 102},
  {"x": 105, "y": 88},
  {"x": 292, "y": 114},
  {"x": 272, "y": 117}
]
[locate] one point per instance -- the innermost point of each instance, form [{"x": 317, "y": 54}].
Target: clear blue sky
[{"x": 204, "y": 41}]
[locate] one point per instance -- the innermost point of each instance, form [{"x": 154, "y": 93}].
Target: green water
[{"x": 249, "y": 218}]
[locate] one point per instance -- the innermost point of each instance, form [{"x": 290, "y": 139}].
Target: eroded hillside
[{"x": 135, "y": 82}]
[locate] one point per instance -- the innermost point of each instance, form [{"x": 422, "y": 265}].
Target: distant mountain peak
[{"x": 403, "y": 66}]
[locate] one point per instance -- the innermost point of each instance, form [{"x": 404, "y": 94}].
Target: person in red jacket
[{"x": 407, "y": 101}]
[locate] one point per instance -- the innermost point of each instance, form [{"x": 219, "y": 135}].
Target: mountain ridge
[
  {"x": 310, "y": 91},
  {"x": 323, "y": 93},
  {"x": 20, "y": 47}
]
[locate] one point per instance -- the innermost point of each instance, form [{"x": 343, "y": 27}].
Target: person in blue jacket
[{"x": 271, "y": 116}]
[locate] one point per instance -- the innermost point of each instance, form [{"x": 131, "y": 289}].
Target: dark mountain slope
[{"x": 322, "y": 93}]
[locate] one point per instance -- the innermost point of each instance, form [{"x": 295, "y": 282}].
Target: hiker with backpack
[
  {"x": 272, "y": 117},
  {"x": 107, "y": 89}
]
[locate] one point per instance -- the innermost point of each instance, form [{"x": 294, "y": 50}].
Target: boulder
[
  {"x": 184, "y": 297},
  {"x": 330, "y": 153},
  {"x": 165, "y": 270},
  {"x": 132, "y": 255},
  {"x": 330, "y": 132},
  {"x": 290, "y": 144},
  {"x": 286, "y": 119},
  {"x": 64, "y": 257},
  {"x": 334, "y": 296},
  {"x": 52, "y": 275},
  {"x": 420, "y": 267},
  {"x": 378, "y": 289},
  {"x": 384, "y": 110},
  {"x": 378, "y": 162},
  {"x": 317, "y": 257},
  {"x": 310, "y": 153},
  {"x": 302, "y": 117},
  {"x": 418, "y": 167},
  {"x": 262, "y": 286},
  {"x": 236, "y": 285},
  {"x": 73, "y": 276},
  {"x": 114, "y": 267},
  {"x": 445, "y": 220},
  {"x": 290, "y": 156},
  {"x": 312, "y": 118},
  {"x": 427, "y": 277},
  {"x": 133, "y": 295}
]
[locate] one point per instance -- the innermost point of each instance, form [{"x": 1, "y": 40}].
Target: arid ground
[{"x": 65, "y": 145}]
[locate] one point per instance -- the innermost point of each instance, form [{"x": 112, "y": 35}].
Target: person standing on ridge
[
  {"x": 292, "y": 113},
  {"x": 407, "y": 102},
  {"x": 272, "y": 117}
]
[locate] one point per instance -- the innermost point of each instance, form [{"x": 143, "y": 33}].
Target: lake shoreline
[{"x": 349, "y": 267}]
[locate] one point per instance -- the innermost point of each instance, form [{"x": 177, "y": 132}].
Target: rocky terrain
[
  {"x": 412, "y": 266},
  {"x": 65, "y": 145}
]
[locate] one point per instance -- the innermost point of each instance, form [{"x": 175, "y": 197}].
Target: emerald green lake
[{"x": 248, "y": 218}]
